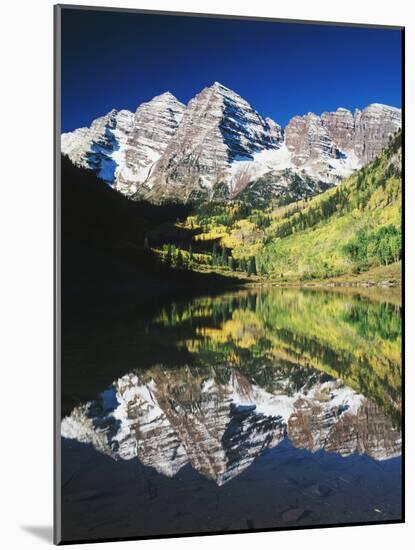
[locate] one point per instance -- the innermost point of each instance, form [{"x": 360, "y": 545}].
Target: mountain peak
[
  {"x": 218, "y": 127},
  {"x": 166, "y": 97},
  {"x": 168, "y": 149},
  {"x": 217, "y": 86},
  {"x": 381, "y": 107}
]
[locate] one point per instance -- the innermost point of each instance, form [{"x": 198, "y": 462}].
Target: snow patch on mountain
[
  {"x": 121, "y": 147},
  {"x": 166, "y": 150},
  {"x": 221, "y": 427}
]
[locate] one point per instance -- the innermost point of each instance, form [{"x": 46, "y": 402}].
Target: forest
[{"x": 349, "y": 229}]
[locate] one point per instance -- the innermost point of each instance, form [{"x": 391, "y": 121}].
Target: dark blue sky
[{"x": 118, "y": 60}]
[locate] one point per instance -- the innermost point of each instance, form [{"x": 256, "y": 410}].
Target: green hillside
[
  {"x": 346, "y": 231},
  {"x": 351, "y": 231}
]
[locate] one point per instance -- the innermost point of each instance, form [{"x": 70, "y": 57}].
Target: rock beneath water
[
  {"x": 319, "y": 490},
  {"x": 292, "y": 514}
]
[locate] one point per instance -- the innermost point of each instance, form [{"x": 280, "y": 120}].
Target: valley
[
  {"x": 248, "y": 201},
  {"x": 351, "y": 232}
]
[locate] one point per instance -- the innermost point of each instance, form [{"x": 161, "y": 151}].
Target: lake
[{"x": 262, "y": 408}]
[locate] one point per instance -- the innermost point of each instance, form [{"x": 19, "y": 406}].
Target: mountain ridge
[{"x": 218, "y": 145}]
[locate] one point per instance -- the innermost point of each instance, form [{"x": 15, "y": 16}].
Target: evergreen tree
[
  {"x": 168, "y": 258},
  {"x": 214, "y": 253},
  {"x": 252, "y": 266},
  {"x": 262, "y": 269},
  {"x": 179, "y": 259},
  {"x": 224, "y": 257}
]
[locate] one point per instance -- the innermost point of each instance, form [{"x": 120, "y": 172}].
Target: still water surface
[{"x": 249, "y": 410}]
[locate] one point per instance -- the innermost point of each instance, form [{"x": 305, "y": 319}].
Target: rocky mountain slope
[
  {"x": 325, "y": 237},
  {"x": 218, "y": 145},
  {"x": 218, "y": 129},
  {"x": 121, "y": 147},
  {"x": 220, "y": 424}
]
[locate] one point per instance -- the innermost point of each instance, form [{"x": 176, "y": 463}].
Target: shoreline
[
  {"x": 389, "y": 276},
  {"x": 329, "y": 283}
]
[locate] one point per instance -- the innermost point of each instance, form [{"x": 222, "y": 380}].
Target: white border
[{"x": 27, "y": 253}]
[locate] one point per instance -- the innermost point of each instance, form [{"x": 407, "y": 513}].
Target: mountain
[
  {"x": 121, "y": 147},
  {"x": 153, "y": 126},
  {"x": 218, "y": 128},
  {"x": 218, "y": 147},
  {"x": 328, "y": 139},
  {"x": 221, "y": 423},
  {"x": 318, "y": 152},
  {"x": 349, "y": 229}
]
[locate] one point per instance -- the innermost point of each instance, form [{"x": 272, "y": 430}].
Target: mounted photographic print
[{"x": 228, "y": 253}]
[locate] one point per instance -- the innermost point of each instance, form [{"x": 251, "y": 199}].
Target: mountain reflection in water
[
  {"x": 219, "y": 380},
  {"x": 219, "y": 421}
]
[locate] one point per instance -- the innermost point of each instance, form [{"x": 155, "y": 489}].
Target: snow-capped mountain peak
[
  {"x": 219, "y": 143},
  {"x": 123, "y": 146},
  {"x": 218, "y": 127}
]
